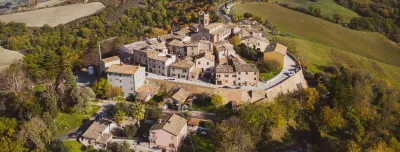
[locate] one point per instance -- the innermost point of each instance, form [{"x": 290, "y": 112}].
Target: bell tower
[{"x": 204, "y": 19}]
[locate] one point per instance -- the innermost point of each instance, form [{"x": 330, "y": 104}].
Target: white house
[{"x": 128, "y": 77}]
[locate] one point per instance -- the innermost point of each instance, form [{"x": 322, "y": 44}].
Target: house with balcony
[{"x": 168, "y": 133}]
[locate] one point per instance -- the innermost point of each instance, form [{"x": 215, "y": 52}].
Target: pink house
[{"x": 168, "y": 133}]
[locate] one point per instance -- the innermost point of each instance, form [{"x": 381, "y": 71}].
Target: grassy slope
[
  {"x": 315, "y": 55},
  {"x": 74, "y": 120},
  {"x": 74, "y": 145},
  {"x": 370, "y": 45},
  {"x": 328, "y": 8}
]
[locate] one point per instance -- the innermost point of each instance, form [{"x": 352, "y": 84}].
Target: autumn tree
[
  {"x": 119, "y": 117},
  {"x": 217, "y": 100},
  {"x": 101, "y": 87},
  {"x": 338, "y": 18},
  {"x": 232, "y": 137},
  {"x": 9, "y": 141},
  {"x": 235, "y": 40},
  {"x": 14, "y": 79},
  {"x": 35, "y": 133}
]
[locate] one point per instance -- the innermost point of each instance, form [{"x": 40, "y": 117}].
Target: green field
[
  {"x": 73, "y": 121},
  {"x": 74, "y": 145},
  {"x": 314, "y": 55},
  {"x": 370, "y": 45},
  {"x": 328, "y": 8}
]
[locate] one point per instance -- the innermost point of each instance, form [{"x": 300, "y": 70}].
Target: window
[
  {"x": 226, "y": 75},
  {"x": 255, "y": 78},
  {"x": 247, "y": 73},
  {"x": 239, "y": 73},
  {"x": 184, "y": 70},
  {"x": 131, "y": 88},
  {"x": 198, "y": 62},
  {"x": 239, "y": 78},
  {"x": 218, "y": 76},
  {"x": 208, "y": 63},
  {"x": 234, "y": 76},
  {"x": 120, "y": 81},
  {"x": 173, "y": 69}
]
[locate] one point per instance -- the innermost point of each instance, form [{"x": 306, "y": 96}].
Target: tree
[
  {"x": 217, "y": 100},
  {"x": 331, "y": 119},
  {"x": 117, "y": 147},
  {"x": 114, "y": 92},
  {"x": 338, "y": 18},
  {"x": 153, "y": 113},
  {"x": 232, "y": 137},
  {"x": 8, "y": 139},
  {"x": 81, "y": 98},
  {"x": 137, "y": 112},
  {"x": 119, "y": 117},
  {"x": 130, "y": 131},
  {"x": 58, "y": 146},
  {"x": 14, "y": 79},
  {"x": 102, "y": 88},
  {"x": 235, "y": 40},
  {"x": 36, "y": 134}
]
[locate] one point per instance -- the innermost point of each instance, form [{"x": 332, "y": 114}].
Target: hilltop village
[{"x": 188, "y": 62}]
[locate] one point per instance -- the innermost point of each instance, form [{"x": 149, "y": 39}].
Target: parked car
[
  {"x": 172, "y": 79},
  {"x": 226, "y": 87},
  {"x": 291, "y": 73},
  {"x": 147, "y": 74},
  {"x": 72, "y": 135},
  {"x": 237, "y": 87}
]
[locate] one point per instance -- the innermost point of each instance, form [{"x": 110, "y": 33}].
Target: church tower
[{"x": 204, "y": 19}]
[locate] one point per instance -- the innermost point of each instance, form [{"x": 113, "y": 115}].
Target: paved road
[{"x": 224, "y": 16}]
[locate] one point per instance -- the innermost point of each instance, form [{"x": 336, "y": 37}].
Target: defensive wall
[{"x": 290, "y": 84}]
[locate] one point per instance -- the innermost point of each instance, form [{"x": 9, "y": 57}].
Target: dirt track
[{"x": 55, "y": 15}]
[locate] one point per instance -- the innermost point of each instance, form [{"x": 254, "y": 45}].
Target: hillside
[
  {"x": 370, "y": 45},
  {"x": 53, "y": 16},
  {"x": 328, "y": 8}
]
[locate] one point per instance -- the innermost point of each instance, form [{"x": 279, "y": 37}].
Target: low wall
[
  {"x": 227, "y": 94},
  {"x": 293, "y": 83}
]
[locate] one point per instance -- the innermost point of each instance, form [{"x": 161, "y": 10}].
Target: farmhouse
[
  {"x": 278, "y": 54},
  {"x": 197, "y": 47},
  {"x": 158, "y": 62},
  {"x": 206, "y": 62},
  {"x": 177, "y": 47},
  {"x": 99, "y": 133},
  {"x": 107, "y": 62},
  {"x": 128, "y": 77},
  {"x": 168, "y": 133},
  {"x": 179, "y": 97},
  {"x": 184, "y": 69},
  {"x": 237, "y": 75},
  {"x": 145, "y": 93},
  {"x": 255, "y": 42}
]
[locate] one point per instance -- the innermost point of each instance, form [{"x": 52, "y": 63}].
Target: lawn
[
  {"x": 74, "y": 145},
  {"x": 314, "y": 29},
  {"x": 55, "y": 15},
  {"x": 314, "y": 55},
  {"x": 73, "y": 121},
  {"x": 267, "y": 76},
  {"x": 328, "y": 8}
]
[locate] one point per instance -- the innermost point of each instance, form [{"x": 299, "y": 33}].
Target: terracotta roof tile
[
  {"x": 185, "y": 64},
  {"x": 246, "y": 68},
  {"x": 224, "y": 69},
  {"x": 110, "y": 59},
  {"x": 170, "y": 123},
  {"x": 181, "y": 95},
  {"x": 123, "y": 69}
]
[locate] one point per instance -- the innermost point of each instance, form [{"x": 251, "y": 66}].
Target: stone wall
[{"x": 241, "y": 96}]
